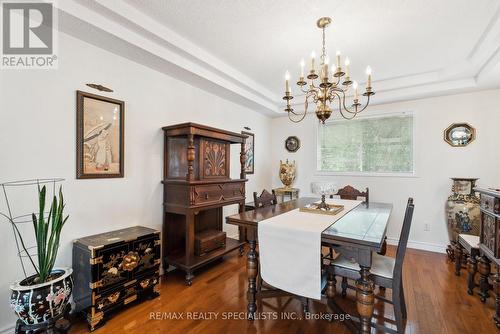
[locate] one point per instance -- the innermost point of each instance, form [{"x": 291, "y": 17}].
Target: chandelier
[{"x": 332, "y": 89}]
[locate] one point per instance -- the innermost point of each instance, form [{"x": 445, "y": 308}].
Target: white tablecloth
[{"x": 290, "y": 249}]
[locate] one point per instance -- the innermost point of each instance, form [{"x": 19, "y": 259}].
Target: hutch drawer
[
  {"x": 113, "y": 269},
  {"x": 490, "y": 203},
  {"x": 208, "y": 193},
  {"x": 488, "y": 231},
  {"x": 234, "y": 191}
]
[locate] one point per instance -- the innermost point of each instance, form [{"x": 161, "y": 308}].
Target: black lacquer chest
[{"x": 114, "y": 269}]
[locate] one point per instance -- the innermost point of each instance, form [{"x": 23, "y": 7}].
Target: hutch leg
[
  {"x": 242, "y": 230},
  {"x": 458, "y": 258},
  {"x": 496, "y": 317},
  {"x": 484, "y": 268},
  {"x": 365, "y": 299},
  {"x": 252, "y": 269},
  {"x": 472, "y": 270},
  {"x": 189, "y": 236},
  {"x": 189, "y": 278}
]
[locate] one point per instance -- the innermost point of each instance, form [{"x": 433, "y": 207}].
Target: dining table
[{"x": 356, "y": 235}]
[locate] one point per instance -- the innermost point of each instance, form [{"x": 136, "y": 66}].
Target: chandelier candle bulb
[
  {"x": 313, "y": 56},
  {"x": 302, "y": 64},
  {"x": 325, "y": 67},
  {"x": 338, "y": 59},
  {"x": 369, "y": 73},
  {"x": 355, "y": 86},
  {"x": 347, "y": 63},
  {"x": 287, "y": 78}
]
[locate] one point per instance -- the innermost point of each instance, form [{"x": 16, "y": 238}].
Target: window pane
[{"x": 381, "y": 144}]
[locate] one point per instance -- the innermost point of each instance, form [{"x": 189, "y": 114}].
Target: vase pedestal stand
[{"x": 60, "y": 325}]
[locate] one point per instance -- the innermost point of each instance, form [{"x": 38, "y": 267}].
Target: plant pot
[{"x": 39, "y": 303}]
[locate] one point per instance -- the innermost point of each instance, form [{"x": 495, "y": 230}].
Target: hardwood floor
[{"x": 437, "y": 302}]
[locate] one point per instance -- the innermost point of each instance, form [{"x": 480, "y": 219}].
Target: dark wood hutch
[
  {"x": 196, "y": 185},
  {"x": 489, "y": 247}
]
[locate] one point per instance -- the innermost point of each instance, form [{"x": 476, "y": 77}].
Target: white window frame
[{"x": 368, "y": 115}]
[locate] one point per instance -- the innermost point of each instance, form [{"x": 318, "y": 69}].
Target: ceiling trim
[
  {"x": 201, "y": 68},
  {"x": 132, "y": 34}
]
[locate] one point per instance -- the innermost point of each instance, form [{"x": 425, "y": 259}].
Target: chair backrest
[
  {"x": 265, "y": 199},
  {"x": 349, "y": 192},
  {"x": 403, "y": 240}
]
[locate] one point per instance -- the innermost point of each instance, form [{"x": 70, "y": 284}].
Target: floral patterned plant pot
[{"x": 39, "y": 303}]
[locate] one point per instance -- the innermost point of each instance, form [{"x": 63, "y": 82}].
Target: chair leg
[
  {"x": 398, "y": 308},
  {"x": 471, "y": 277},
  {"x": 403, "y": 302},
  {"x": 305, "y": 304},
  {"x": 343, "y": 285},
  {"x": 458, "y": 258}
]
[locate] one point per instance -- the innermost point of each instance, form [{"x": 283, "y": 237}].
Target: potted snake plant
[{"x": 43, "y": 297}]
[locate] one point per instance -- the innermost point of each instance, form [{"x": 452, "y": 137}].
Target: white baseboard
[
  {"x": 8, "y": 329},
  {"x": 427, "y": 246}
]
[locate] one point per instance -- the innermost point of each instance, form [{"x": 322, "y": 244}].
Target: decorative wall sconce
[
  {"x": 459, "y": 134},
  {"x": 292, "y": 144}
]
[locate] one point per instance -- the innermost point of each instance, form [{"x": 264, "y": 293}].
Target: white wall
[
  {"x": 436, "y": 160},
  {"x": 37, "y": 139}
]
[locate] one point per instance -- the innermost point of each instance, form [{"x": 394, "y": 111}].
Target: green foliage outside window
[{"x": 373, "y": 145}]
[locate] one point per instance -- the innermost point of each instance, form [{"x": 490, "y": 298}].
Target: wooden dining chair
[
  {"x": 265, "y": 199},
  {"x": 349, "y": 192},
  {"x": 386, "y": 271}
]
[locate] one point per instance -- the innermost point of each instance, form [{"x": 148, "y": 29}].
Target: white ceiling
[{"x": 417, "y": 48}]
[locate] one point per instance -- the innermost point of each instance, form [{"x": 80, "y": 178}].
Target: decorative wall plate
[
  {"x": 292, "y": 144},
  {"x": 459, "y": 134}
]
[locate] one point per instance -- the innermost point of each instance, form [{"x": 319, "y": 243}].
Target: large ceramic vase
[
  {"x": 287, "y": 173},
  {"x": 44, "y": 302},
  {"x": 462, "y": 209}
]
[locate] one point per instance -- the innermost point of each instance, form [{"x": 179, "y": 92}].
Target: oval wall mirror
[{"x": 459, "y": 134}]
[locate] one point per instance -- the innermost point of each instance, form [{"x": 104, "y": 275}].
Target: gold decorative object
[
  {"x": 322, "y": 208},
  {"x": 332, "y": 88},
  {"x": 459, "y": 134},
  {"x": 114, "y": 297},
  {"x": 287, "y": 173},
  {"x": 144, "y": 283},
  {"x": 130, "y": 261}
]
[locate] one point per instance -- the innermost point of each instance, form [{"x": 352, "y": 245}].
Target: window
[{"x": 382, "y": 144}]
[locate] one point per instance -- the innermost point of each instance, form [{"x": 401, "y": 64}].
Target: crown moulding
[{"x": 123, "y": 30}]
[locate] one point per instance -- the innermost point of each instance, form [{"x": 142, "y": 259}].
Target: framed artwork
[
  {"x": 292, "y": 144},
  {"x": 249, "y": 152},
  {"x": 99, "y": 136}
]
